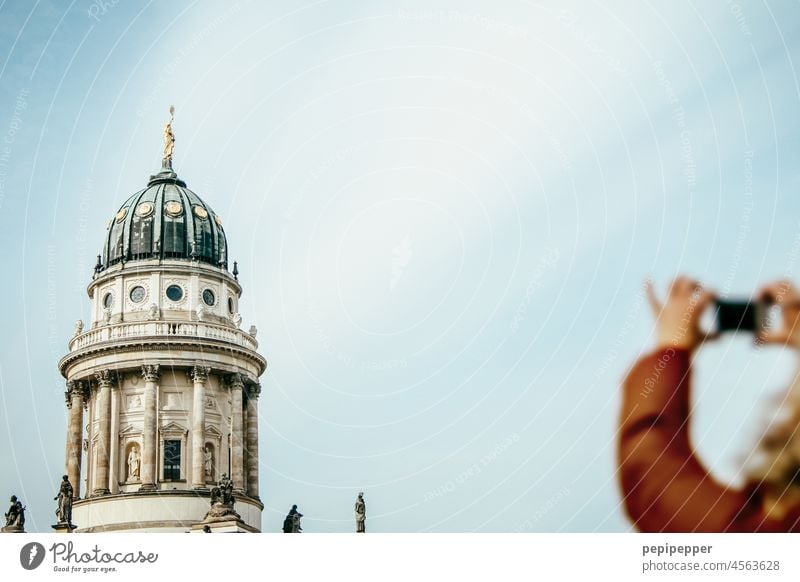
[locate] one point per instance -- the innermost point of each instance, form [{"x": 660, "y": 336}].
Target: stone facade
[{"x": 162, "y": 392}]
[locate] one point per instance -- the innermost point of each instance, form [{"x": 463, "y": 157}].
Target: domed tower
[{"x": 162, "y": 385}]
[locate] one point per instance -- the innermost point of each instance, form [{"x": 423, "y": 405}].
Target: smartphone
[{"x": 742, "y": 315}]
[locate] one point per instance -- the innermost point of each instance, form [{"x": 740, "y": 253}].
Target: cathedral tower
[{"x": 162, "y": 384}]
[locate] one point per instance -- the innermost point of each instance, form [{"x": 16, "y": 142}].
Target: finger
[
  {"x": 679, "y": 286},
  {"x": 706, "y": 297},
  {"x": 780, "y": 292},
  {"x": 652, "y": 298}
]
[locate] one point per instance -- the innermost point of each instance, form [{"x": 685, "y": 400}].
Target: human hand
[
  {"x": 678, "y": 317},
  {"x": 785, "y": 295}
]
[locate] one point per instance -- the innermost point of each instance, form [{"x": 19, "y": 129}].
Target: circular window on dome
[
  {"x": 108, "y": 300},
  {"x": 200, "y": 212},
  {"x": 173, "y": 208},
  {"x": 121, "y": 214},
  {"x": 230, "y": 305},
  {"x": 144, "y": 209},
  {"x": 218, "y": 220},
  {"x": 174, "y": 292},
  {"x": 138, "y": 294},
  {"x": 208, "y": 297}
]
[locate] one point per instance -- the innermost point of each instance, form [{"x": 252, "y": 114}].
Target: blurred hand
[
  {"x": 678, "y": 317},
  {"x": 786, "y": 296}
]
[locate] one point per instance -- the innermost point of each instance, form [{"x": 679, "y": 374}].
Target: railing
[{"x": 142, "y": 329}]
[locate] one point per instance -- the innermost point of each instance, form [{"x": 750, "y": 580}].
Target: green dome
[{"x": 166, "y": 220}]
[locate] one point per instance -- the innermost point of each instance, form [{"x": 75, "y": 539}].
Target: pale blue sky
[{"x": 442, "y": 213}]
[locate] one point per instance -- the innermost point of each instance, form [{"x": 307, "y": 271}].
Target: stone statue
[
  {"x": 64, "y": 498},
  {"x": 15, "y": 518},
  {"x": 78, "y": 328},
  {"x": 361, "y": 514},
  {"x": 201, "y": 313},
  {"x": 222, "y": 501},
  {"x": 253, "y": 331},
  {"x": 237, "y": 319},
  {"x": 169, "y": 137},
  {"x": 208, "y": 462},
  {"x": 152, "y": 312},
  {"x": 291, "y": 524},
  {"x": 107, "y": 315},
  {"x": 133, "y": 464}
]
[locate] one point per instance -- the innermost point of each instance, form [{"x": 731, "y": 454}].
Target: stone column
[
  {"x": 113, "y": 457},
  {"x": 236, "y": 383},
  {"x": 105, "y": 378},
  {"x": 199, "y": 376},
  {"x": 149, "y": 436},
  {"x": 75, "y": 395},
  {"x": 253, "y": 390}
]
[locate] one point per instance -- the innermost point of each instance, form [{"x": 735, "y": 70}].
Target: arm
[{"x": 665, "y": 487}]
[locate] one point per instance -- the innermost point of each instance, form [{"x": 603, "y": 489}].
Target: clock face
[
  {"x": 138, "y": 294},
  {"x": 144, "y": 209},
  {"x": 121, "y": 214},
  {"x": 200, "y": 212},
  {"x": 208, "y": 297},
  {"x": 173, "y": 208}
]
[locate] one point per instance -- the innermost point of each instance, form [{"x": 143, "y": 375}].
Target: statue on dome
[{"x": 169, "y": 136}]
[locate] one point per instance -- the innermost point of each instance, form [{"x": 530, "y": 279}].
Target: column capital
[
  {"x": 150, "y": 372},
  {"x": 76, "y": 388},
  {"x": 235, "y": 380},
  {"x": 199, "y": 373},
  {"x": 253, "y": 390},
  {"x": 105, "y": 377}
]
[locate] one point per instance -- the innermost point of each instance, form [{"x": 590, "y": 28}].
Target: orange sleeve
[{"x": 665, "y": 487}]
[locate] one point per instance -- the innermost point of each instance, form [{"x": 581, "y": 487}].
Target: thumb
[{"x": 780, "y": 336}]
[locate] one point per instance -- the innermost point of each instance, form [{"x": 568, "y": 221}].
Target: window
[
  {"x": 174, "y": 292},
  {"x": 108, "y": 300},
  {"x": 208, "y": 297},
  {"x": 230, "y": 305},
  {"x": 138, "y": 294},
  {"x": 142, "y": 235},
  {"x": 172, "y": 460}
]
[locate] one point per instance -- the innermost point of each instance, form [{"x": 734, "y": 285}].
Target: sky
[{"x": 443, "y": 213}]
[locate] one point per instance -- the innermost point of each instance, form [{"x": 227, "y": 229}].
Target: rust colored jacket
[{"x": 664, "y": 485}]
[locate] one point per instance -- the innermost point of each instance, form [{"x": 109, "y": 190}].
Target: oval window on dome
[
  {"x": 144, "y": 209},
  {"x": 174, "y": 292},
  {"x": 108, "y": 300},
  {"x": 200, "y": 212},
  {"x": 121, "y": 214},
  {"x": 230, "y": 305},
  {"x": 208, "y": 297},
  {"x": 138, "y": 294},
  {"x": 173, "y": 208}
]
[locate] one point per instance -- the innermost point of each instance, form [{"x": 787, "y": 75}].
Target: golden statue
[{"x": 169, "y": 137}]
